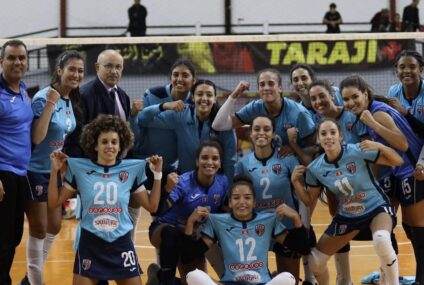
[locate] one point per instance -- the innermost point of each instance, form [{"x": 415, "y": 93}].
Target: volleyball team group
[{"x": 175, "y": 154}]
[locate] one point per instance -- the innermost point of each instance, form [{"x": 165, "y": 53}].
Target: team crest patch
[
  {"x": 420, "y": 109},
  {"x": 216, "y": 198},
  {"x": 260, "y": 229},
  {"x": 39, "y": 190},
  {"x": 277, "y": 169},
  {"x": 123, "y": 176},
  {"x": 351, "y": 167},
  {"x": 86, "y": 264}
]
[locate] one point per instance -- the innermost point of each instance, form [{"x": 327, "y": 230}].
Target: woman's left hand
[
  {"x": 367, "y": 118},
  {"x": 367, "y": 145}
]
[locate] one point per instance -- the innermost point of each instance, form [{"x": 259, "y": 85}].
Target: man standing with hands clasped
[{"x": 137, "y": 14}]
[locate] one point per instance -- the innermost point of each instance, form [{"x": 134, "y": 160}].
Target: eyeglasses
[{"x": 110, "y": 67}]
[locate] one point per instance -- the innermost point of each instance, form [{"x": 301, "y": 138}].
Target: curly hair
[{"x": 103, "y": 124}]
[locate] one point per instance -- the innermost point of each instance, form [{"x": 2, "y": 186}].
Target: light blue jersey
[
  {"x": 105, "y": 193},
  {"x": 188, "y": 194},
  {"x": 352, "y": 128},
  {"x": 271, "y": 181},
  {"x": 61, "y": 124},
  {"x": 414, "y": 106},
  {"x": 244, "y": 245},
  {"x": 150, "y": 141},
  {"x": 292, "y": 115},
  {"x": 350, "y": 179},
  {"x": 190, "y": 133}
]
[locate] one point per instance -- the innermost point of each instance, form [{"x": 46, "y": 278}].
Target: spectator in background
[
  {"x": 396, "y": 24},
  {"x": 137, "y": 14},
  {"x": 411, "y": 17},
  {"x": 380, "y": 21},
  {"x": 332, "y": 19}
]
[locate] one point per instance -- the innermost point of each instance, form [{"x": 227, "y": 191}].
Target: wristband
[
  {"x": 51, "y": 102},
  {"x": 157, "y": 175}
]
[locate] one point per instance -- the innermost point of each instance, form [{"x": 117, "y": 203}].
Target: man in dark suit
[
  {"x": 102, "y": 95},
  {"x": 411, "y": 17}
]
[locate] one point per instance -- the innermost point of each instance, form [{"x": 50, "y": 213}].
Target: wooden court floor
[{"x": 59, "y": 265}]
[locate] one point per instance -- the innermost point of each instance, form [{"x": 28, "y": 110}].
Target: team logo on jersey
[
  {"x": 351, "y": 167},
  {"x": 39, "y": 190},
  {"x": 123, "y": 176},
  {"x": 342, "y": 229},
  {"x": 277, "y": 168},
  {"x": 252, "y": 169},
  {"x": 86, "y": 264},
  {"x": 339, "y": 173},
  {"x": 349, "y": 126},
  {"x": 420, "y": 109},
  {"x": 326, "y": 173},
  {"x": 216, "y": 198},
  {"x": 260, "y": 229}
]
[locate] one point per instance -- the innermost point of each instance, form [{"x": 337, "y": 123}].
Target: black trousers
[{"x": 11, "y": 220}]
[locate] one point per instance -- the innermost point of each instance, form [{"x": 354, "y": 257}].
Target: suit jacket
[{"x": 96, "y": 100}]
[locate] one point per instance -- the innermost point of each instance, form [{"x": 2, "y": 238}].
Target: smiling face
[
  {"x": 14, "y": 63},
  {"x": 107, "y": 148},
  {"x": 182, "y": 79},
  {"x": 355, "y": 100},
  {"x": 72, "y": 73},
  {"x": 330, "y": 137},
  {"x": 242, "y": 202},
  {"x": 204, "y": 99},
  {"x": 262, "y": 132},
  {"x": 321, "y": 99},
  {"x": 269, "y": 87},
  {"x": 208, "y": 162},
  {"x": 301, "y": 79},
  {"x": 408, "y": 70}
]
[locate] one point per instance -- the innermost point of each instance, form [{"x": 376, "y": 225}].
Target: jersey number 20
[{"x": 111, "y": 190}]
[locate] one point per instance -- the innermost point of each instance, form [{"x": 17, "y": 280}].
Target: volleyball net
[{"x": 228, "y": 59}]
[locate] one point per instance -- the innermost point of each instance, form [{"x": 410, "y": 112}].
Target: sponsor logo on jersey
[
  {"x": 123, "y": 176},
  {"x": 277, "y": 168},
  {"x": 260, "y": 229},
  {"x": 39, "y": 190},
  {"x": 100, "y": 210},
  {"x": 230, "y": 229},
  {"x": 351, "y": 167},
  {"x": 105, "y": 223},
  {"x": 354, "y": 208},
  {"x": 90, "y": 172},
  {"x": 12, "y": 99},
  {"x": 339, "y": 173},
  {"x": 252, "y": 169},
  {"x": 326, "y": 173},
  {"x": 249, "y": 276},
  {"x": 86, "y": 264},
  {"x": 194, "y": 196},
  {"x": 243, "y": 266},
  {"x": 56, "y": 144}
]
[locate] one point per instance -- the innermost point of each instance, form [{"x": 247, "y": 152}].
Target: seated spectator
[{"x": 380, "y": 21}]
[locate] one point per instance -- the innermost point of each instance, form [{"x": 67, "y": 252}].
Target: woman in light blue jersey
[
  {"x": 105, "y": 185},
  {"x": 345, "y": 171},
  {"x": 56, "y": 110},
  {"x": 245, "y": 237},
  {"x": 270, "y": 174},
  {"x": 192, "y": 125},
  {"x": 389, "y": 127}
]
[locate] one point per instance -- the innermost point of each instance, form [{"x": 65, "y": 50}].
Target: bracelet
[
  {"x": 51, "y": 102},
  {"x": 157, "y": 175}
]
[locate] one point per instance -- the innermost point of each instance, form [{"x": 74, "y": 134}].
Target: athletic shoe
[
  {"x": 24, "y": 281},
  {"x": 152, "y": 274}
]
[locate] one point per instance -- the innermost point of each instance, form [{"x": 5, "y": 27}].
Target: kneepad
[
  {"x": 285, "y": 278},
  {"x": 382, "y": 243},
  {"x": 317, "y": 260},
  {"x": 198, "y": 277}
]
